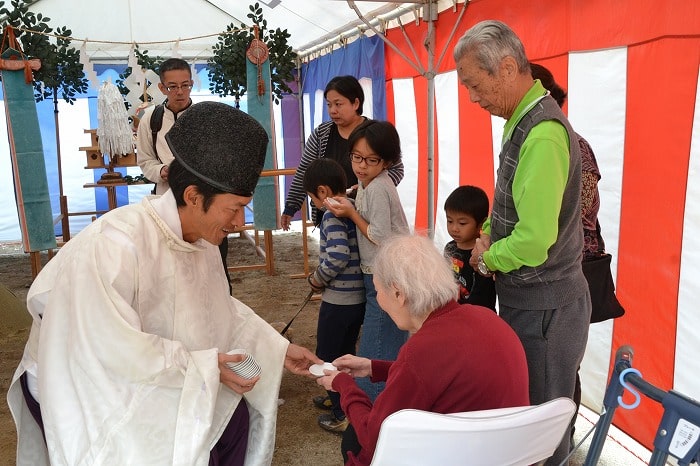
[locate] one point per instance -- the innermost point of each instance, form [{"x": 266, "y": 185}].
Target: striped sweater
[{"x": 339, "y": 262}]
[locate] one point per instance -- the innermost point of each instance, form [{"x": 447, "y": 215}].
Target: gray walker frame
[{"x": 678, "y": 433}]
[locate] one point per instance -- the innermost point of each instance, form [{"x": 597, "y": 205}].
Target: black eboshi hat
[{"x": 221, "y": 145}]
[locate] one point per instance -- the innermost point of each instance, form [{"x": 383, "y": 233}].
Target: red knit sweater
[{"x": 463, "y": 358}]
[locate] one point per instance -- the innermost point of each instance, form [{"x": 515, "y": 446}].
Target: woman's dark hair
[
  {"x": 381, "y": 137},
  {"x": 547, "y": 80},
  {"x": 349, "y": 87},
  {"x": 325, "y": 172},
  {"x": 179, "y": 178}
]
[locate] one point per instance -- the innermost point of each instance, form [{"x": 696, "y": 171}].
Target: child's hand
[
  {"x": 316, "y": 287},
  {"x": 340, "y": 206}
]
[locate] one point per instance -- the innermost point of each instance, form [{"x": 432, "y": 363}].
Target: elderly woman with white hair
[{"x": 459, "y": 357}]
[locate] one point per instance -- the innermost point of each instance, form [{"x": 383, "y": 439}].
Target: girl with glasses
[
  {"x": 344, "y": 102},
  {"x": 375, "y": 147}
]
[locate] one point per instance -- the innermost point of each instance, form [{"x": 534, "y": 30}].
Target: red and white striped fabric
[{"x": 631, "y": 70}]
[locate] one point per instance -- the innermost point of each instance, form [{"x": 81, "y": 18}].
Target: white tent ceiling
[{"x": 110, "y": 27}]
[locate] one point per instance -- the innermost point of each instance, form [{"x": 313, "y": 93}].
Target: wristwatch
[{"x": 483, "y": 268}]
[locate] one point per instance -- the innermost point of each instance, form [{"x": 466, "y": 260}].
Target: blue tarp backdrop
[{"x": 363, "y": 58}]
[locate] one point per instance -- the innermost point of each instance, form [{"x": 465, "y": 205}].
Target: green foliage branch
[
  {"x": 227, "y": 66},
  {"x": 61, "y": 71}
]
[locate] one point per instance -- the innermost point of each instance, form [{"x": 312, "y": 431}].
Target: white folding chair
[{"x": 496, "y": 437}]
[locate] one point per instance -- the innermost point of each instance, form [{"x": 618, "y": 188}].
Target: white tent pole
[
  {"x": 432, "y": 71},
  {"x": 416, "y": 66},
  {"x": 452, "y": 33},
  {"x": 430, "y": 12},
  {"x": 410, "y": 45},
  {"x": 384, "y": 14}
]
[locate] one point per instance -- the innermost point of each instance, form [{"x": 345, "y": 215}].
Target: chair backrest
[{"x": 507, "y": 436}]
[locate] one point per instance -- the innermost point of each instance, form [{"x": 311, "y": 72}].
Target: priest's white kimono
[{"x": 128, "y": 321}]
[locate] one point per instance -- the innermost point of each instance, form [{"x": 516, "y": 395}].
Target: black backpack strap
[{"x": 156, "y": 125}]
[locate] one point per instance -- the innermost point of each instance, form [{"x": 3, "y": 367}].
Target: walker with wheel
[{"x": 678, "y": 433}]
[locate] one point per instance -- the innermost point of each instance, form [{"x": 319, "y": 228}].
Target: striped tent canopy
[{"x": 631, "y": 71}]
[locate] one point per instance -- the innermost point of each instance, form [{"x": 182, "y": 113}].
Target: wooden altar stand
[{"x": 265, "y": 250}]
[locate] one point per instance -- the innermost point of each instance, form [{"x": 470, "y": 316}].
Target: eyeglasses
[
  {"x": 184, "y": 87},
  {"x": 371, "y": 161}
]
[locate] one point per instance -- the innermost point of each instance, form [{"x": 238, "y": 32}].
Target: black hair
[
  {"x": 547, "y": 80},
  {"x": 179, "y": 178},
  {"x": 349, "y": 87},
  {"x": 325, "y": 172},
  {"x": 381, "y": 137},
  {"x": 470, "y": 200},
  {"x": 173, "y": 64}
]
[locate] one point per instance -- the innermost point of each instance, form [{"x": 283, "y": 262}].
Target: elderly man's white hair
[
  {"x": 492, "y": 41},
  {"x": 413, "y": 265}
]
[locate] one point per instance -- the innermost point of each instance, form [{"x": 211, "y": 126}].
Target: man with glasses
[
  {"x": 154, "y": 157},
  {"x": 152, "y": 151}
]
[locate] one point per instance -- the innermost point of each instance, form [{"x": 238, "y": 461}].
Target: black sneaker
[
  {"x": 322, "y": 402},
  {"x": 332, "y": 424}
]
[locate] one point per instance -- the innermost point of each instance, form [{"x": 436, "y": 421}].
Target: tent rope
[{"x": 231, "y": 31}]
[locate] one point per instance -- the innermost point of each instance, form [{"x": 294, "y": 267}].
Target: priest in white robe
[{"x": 132, "y": 319}]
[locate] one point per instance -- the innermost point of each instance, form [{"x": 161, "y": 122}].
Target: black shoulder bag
[{"x": 601, "y": 285}]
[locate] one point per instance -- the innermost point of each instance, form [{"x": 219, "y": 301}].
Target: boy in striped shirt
[{"x": 339, "y": 280}]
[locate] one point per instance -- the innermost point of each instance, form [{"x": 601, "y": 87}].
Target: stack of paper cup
[{"x": 247, "y": 368}]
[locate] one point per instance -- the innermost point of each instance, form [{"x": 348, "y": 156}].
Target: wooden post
[
  {"x": 305, "y": 241},
  {"x": 65, "y": 224},
  {"x": 269, "y": 255}
]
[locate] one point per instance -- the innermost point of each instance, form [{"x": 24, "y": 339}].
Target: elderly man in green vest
[{"x": 532, "y": 241}]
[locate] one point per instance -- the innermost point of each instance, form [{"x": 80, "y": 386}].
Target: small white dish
[{"x": 317, "y": 369}]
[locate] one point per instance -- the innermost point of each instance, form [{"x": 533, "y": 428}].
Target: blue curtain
[{"x": 363, "y": 58}]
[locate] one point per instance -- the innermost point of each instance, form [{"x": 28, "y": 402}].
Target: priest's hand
[
  {"x": 298, "y": 360},
  {"x": 232, "y": 380}
]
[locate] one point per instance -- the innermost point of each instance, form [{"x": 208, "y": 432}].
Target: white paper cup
[
  {"x": 317, "y": 369},
  {"x": 247, "y": 368}
]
